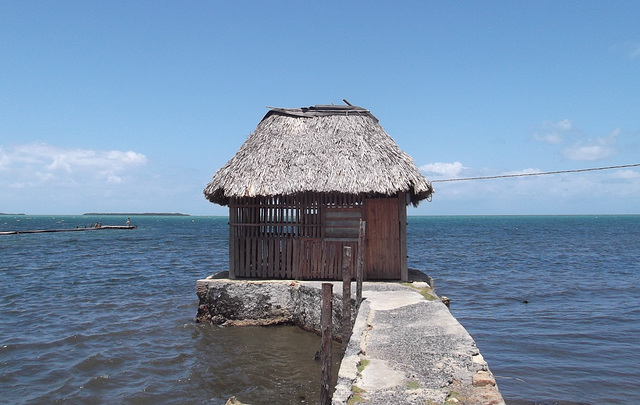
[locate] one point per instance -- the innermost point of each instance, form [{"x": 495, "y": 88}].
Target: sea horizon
[{"x": 220, "y": 215}]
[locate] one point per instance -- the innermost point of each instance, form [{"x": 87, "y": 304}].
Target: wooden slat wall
[{"x": 284, "y": 237}]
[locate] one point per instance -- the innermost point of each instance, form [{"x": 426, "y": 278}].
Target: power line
[{"x": 537, "y": 174}]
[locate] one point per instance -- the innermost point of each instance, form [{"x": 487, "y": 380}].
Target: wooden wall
[
  {"x": 385, "y": 251},
  {"x": 302, "y": 236}
]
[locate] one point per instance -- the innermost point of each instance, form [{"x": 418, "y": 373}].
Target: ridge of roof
[{"x": 321, "y": 111}]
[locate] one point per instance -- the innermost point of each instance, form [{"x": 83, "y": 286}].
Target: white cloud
[
  {"x": 554, "y": 132},
  {"x": 626, "y": 175},
  {"x": 587, "y": 152},
  {"x": 524, "y": 171},
  {"x": 4, "y": 160},
  {"x": 630, "y": 48},
  {"x": 113, "y": 179},
  {"x": 593, "y": 149},
  {"x": 128, "y": 157},
  {"x": 448, "y": 170},
  {"x": 35, "y": 164}
]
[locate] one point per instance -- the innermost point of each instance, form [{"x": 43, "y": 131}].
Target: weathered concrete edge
[
  {"x": 472, "y": 384},
  {"x": 232, "y": 302},
  {"x": 348, "y": 372}
]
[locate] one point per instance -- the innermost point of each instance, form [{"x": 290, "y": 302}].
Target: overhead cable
[{"x": 537, "y": 174}]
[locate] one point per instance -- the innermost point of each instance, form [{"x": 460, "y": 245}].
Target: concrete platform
[{"x": 407, "y": 350}]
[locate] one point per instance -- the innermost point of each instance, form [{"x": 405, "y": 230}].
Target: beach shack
[{"x": 299, "y": 187}]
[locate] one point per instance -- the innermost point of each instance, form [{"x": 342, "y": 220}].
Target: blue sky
[{"x": 133, "y": 106}]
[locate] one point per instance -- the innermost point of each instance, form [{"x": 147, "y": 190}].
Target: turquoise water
[{"x": 107, "y": 316}]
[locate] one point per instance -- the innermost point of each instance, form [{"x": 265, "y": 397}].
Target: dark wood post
[
  {"x": 346, "y": 296},
  {"x": 233, "y": 213},
  {"x": 360, "y": 268},
  {"x": 325, "y": 355}
]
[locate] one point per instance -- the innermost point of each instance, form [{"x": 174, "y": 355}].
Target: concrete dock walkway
[{"x": 406, "y": 349}]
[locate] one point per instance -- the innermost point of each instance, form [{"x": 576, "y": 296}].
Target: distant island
[
  {"x": 3, "y": 213},
  {"x": 131, "y": 214}
]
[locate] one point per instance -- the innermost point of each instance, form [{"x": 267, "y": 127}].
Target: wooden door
[{"x": 382, "y": 252}]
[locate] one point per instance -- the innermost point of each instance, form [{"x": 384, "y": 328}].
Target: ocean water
[
  {"x": 552, "y": 302},
  {"x": 107, "y": 316}
]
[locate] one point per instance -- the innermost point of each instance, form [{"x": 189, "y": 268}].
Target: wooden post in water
[
  {"x": 346, "y": 296},
  {"x": 326, "y": 347},
  {"x": 360, "y": 268}
]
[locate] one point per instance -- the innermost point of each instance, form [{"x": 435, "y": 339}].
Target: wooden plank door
[{"x": 382, "y": 251}]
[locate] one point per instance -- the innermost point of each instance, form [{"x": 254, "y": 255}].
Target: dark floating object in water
[
  {"x": 91, "y": 228},
  {"x": 525, "y": 302}
]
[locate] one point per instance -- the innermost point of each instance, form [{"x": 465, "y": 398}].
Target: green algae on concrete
[
  {"x": 356, "y": 396},
  {"x": 424, "y": 289}
]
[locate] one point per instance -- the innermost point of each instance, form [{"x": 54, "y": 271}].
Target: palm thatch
[{"x": 324, "y": 149}]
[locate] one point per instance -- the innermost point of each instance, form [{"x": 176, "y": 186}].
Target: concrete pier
[{"x": 405, "y": 348}]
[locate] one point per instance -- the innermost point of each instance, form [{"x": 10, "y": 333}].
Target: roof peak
[{"x": 321, "y": 110}]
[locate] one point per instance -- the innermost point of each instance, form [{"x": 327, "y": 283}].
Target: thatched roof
[{"x": 326, "y": 149}]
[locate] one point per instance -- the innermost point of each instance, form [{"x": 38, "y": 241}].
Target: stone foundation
[{"x": 257, "y": 302}]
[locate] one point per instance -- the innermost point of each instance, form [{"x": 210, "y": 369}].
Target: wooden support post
[
  {"x": 402, "y": 223},
  {"x": 346, "y": 296},
  {"x": 233, "y": 219},
  {"x": 325, "y": 355},
  {"x": 360, "y": 268}
]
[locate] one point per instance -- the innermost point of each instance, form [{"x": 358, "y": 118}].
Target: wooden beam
[
  {"x": 402, "y": 222},
  {"x": 326, "y": 347},
  {"x": 346, "y": 296}
]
